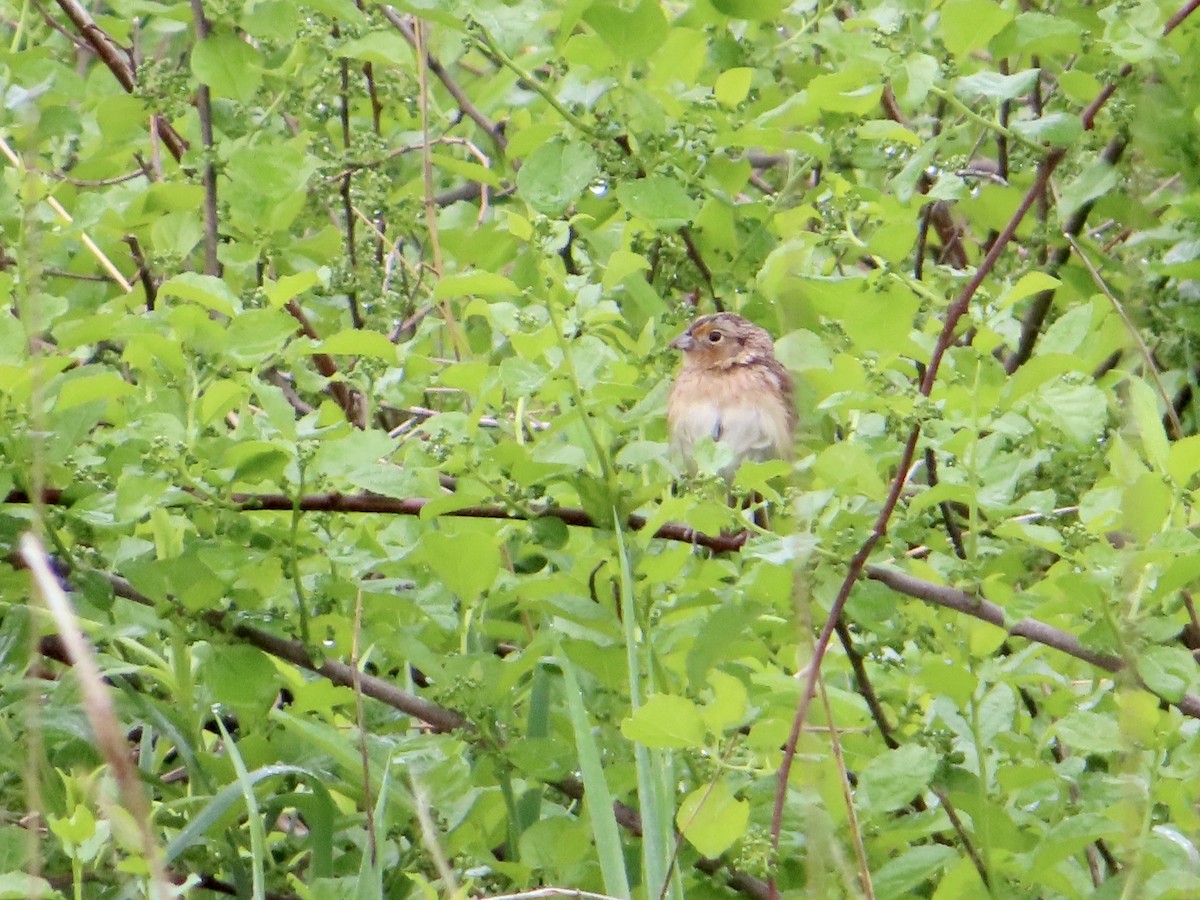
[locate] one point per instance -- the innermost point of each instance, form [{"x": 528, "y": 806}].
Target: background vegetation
[{"x": 334, "y": 381}]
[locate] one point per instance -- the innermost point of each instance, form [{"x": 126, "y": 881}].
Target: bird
[{"x": 732, "y": 389}]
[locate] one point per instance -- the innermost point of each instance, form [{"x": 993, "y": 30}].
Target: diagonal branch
[
  {"x": 1031, "y": 629},
  {"x": 110, "y": 54},
  {"x": 954, "y": 313}
]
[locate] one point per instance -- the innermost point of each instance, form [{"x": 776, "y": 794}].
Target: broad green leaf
[
  {"x": 467, "y": 563},
  {"x": 760, "y": 10},
  {"x": 995, "y": 86},
  {"x": 712, "y": 818},
  {"x": 1094, "y": 181},
  {"x": 900, "y": 877},
  {"x": 1069, "y": 331},
  {"x": 632, "y": 34},
  {"x": 219, "y": 398},
  {"x": 1183, "y": 459},
  {"x": 1144, "y": 405},
  {"x": 242, "y": 677},
  {"x": 478, "y": 284},
  {"x": 384, "y": 47},
  {"x": 1167, "y": 671},
  {"x": 732, "y": 85},
  {"x": 893, "y": 778},
  {"x": 660, "y": 200},
  {"x": 968, "y": 25},
  {"x": 555, "y": 174},
  {"x": 289, "y": 287},
  {"x": 1027, "y": 285},
  {"x": 1058, "y": 129},
  {"x": 728, "y": 706},
  {"x": 665, "y": 721},
  {"x": 360, "y": 342},
  {"x": 228, "y": 65},
  {"x": 97, "y": 385},
  {"x": 1089, "y": 732},
  {"x": 206, "y": 290}
]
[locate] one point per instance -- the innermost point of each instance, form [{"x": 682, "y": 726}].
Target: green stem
[
  {"x": 577, "y": 394},
  {"x": 990, "y": 124},
  {"x": 487, "y": 44}
]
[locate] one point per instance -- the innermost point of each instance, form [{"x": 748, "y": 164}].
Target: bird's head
[{"x": 722, "y": 341}]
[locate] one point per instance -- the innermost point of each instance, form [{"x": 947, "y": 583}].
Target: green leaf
[
  {"x": 1095, "y": 181},
  {"x": 1144, "y": 404},
  {"x": 1089, "y": 732},
  {"x": 893, "y": 778},
  {"x": 665, "y": 721},
  {"x": 659, "y": 200},
  {"x": 555, "y": 174},
  {"x": 360, "y": 342},
  {"x": 289, "y": 287},
  {"x": 1068, "y": 332},
  {"x": 95, "y": 385},
  {"x": 995, "y": 86},
  {"x": 1079, "y": 410},
  {"x": 467, "y": 563},
  {"x": 712, "y": 818},
  {"x": 242, "y": 677},
  {"x": 1167, "y": 671},
  {"x": 968, "y": 25},
  {"x": 206, "y": 290},
  {"x": 732, "y": 85},
  {"x": 219, "y": 398},
  {"x": 477, "y": 284},
  {"x": 1056, "y": 129},
  {"x": 228, "y": 65},
  {"x": 757, "y": 10},
  {"x": 631, "y": 34},
  {"x": 900, "y": 877},
  {"x": 386, "y": 48}
]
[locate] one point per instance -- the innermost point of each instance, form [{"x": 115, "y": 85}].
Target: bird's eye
[{"x": 714, "y": 336}]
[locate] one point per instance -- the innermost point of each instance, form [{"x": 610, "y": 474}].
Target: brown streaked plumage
[{"x": 732, "y": 389}]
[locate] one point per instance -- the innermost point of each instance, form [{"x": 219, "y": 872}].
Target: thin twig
[
  {"x": 212, "y": 266},
  {"x": 953, "y": 314},
  {"x": 835, "y": 744},
  {"x": 457, "y": 341},
  {"x": 110, "y": 54},
  {"x": 361, "y": 723},
  {"x": 53, "y": 203},
  {"x": 490, "y": 128},
  {"x": 1147, "y": 356},
  {"x": 347, "y": 186},
  {"x": 98, "y": 706}
]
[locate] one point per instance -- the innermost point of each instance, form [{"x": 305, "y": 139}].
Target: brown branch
[
  {"x": 412, "y": 506},
  {"x": 953, "y": 314},
  {"x": 1031, "y": 629},
  {"x": 110, "y": 54},
  {"x": 149, "y": 284},
  {"x": 693, "y": 253},
  {"x": 493, "y": 131},
  {"x": 348, "y": 399},
  {"x": 1039, "y": 308},
  {"x": 347, "y": 186},
  {"x": 212, "y": 265}
]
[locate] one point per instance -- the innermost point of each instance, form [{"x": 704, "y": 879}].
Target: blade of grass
[
  {"x": 651, "y": 797},
  {"x": 599, "y": 799},
  {"x": 258, "y": 837},
  {"x": 199, "y": 824}
]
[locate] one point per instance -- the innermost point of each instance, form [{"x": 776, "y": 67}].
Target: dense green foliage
[{"x": 383, "y": 279}]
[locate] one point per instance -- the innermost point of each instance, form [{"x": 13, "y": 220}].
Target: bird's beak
[{"x": 684, "y": 342}]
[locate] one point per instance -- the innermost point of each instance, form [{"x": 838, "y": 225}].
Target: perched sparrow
[{"x": 732, "y": 389}]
